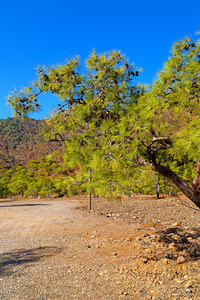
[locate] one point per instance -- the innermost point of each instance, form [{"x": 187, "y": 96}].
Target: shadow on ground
[
  {"x": 181, "y": 242},
  {"x": 19, "y": 205},
  {"x": 10, "y": 260}
]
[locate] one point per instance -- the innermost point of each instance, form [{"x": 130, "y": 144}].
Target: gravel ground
[{"x": 140, "y": 248}]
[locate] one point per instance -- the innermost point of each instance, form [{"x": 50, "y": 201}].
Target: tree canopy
[{"x": 113, "y": 126}]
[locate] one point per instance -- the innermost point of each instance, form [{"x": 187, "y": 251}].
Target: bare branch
[
  {"x": 161, "y": 148},
  {"x": 158, "y": 139},
  {"x": 143, "y": 161},
  {"x": 41, "y": 91},
  {"x": 62, "y": 139}
]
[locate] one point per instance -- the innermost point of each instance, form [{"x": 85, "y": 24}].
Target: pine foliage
[{"x": 111, "y": 126}]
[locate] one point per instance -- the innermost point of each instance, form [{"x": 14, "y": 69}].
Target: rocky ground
[{"x": 139, "y": 248}]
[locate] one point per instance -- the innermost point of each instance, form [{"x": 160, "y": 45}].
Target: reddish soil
[{"x": 139, "y": 248}]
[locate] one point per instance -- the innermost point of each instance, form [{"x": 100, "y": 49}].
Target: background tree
[
  {"x": 19, "y": 181},
  {"x": 3, "y": 189},
  {"x": 111, "y": 126}
]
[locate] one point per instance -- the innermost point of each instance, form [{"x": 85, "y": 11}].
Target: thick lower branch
[{"x": 182, "y": 185}]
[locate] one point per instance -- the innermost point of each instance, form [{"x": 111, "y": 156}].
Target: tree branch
[
  {"x": 173, "y": 177},
  {"x": 182, "y": 185},
  {"x": 158, "y": 139},
  {"x": 161, "y": 148}
]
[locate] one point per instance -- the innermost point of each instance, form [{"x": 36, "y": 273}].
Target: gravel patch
[{"x": 142, "y": 248}]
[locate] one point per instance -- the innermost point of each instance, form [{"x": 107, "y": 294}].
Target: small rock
[
  {"x": 148, "y": 251},
  {"x": 188, "y": 284},
  {"x": 180, "y": 259},
  {"x": 144, "y": 260},
  {"x": 129, "y": 239},
  {"x": 178, "y": 281},
  {"x": 123, "y": 293},
  {"x": 101, "y": 273},
  {"x": 165, "y": 260},
  {"x": 171, "y": 246},
  {"x": 187, "y": 289},
  {"x": 146, "y": 235},
  {"x": 153, "y": 236},
  {"x": 176, "y": 224}
]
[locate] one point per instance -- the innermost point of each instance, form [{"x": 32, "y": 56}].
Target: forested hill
[{"x": 21, "y": 141}]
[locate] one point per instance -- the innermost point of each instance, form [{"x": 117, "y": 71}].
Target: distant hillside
[{"x": 21, "y": 141}]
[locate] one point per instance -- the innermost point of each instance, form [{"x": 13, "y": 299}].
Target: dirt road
[{"x": 55, "y": 249}]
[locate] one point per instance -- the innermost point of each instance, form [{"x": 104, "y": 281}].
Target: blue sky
[{"x": 46, "y": 32}]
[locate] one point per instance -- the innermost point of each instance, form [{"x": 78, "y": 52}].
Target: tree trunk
[
  {"x": 90, "y": 196},
  {"x": 182, "y": 185},
  {"x": 158, "y": 188}
]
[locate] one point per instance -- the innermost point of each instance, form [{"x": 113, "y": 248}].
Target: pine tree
[
  {"x": 111, "y": 126},
  {"x": 19, "y": 181}
]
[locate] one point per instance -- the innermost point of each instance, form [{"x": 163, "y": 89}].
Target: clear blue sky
[{"x": 46, "y": 32}]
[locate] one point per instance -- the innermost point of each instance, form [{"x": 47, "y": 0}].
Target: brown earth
[{"x": 139, "y": 248}]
